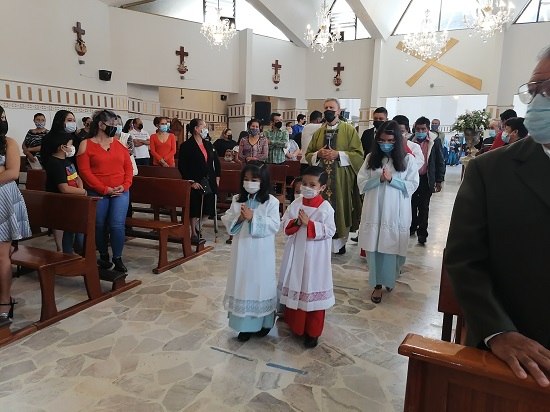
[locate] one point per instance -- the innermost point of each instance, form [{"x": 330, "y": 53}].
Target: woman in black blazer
[{"x": 198, "y": 162}]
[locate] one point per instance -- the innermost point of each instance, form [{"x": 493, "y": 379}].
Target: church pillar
[
  {"x": 497, "y": 102},
  {"x": 370, "y": 99}
]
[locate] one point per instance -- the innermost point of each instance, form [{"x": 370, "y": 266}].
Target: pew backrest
[
  {"x": 160, "y": 191},
  {"x": 36, "y": 179},
  {"x": 159, "y": 171}
]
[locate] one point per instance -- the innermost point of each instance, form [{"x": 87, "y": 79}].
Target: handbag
[{"x": 205, "y": 183}]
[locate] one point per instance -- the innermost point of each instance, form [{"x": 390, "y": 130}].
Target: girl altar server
[
  {"x": 253, "y": 220},
  {"x": 305, "y": 284}
]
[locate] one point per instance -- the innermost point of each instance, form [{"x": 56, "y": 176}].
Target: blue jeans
[
  {"x": 70, "y": 239},
  {"x": 111, "y": 213}
]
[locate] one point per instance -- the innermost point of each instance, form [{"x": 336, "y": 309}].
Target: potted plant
[{"x": 472, "y": 124}]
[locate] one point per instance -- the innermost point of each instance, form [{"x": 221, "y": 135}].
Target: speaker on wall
[
  {"x": 262, "y": 111},
  {"x": 105, "y": 75},
  {"x": 223, "y": 97}
]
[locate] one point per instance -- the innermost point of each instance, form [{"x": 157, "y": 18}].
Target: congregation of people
[{"x": 378, "y": 186}]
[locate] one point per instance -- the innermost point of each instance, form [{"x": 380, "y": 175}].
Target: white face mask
[
  {"x": 71, "y": 152},
  {"x": 308, "y": 192},
  {"x": 252, "y": 187},
  {"x": 537, "y": 119},
  {"x": 70, "y": 127}
]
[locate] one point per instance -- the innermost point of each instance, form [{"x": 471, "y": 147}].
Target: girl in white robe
[
  {"x": 388, "y": 178},
  {"x": 253, "y": 220},
  {"x": 305, "y": 282}
]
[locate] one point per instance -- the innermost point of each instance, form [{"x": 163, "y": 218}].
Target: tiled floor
[{"x": 166, "y": 346}]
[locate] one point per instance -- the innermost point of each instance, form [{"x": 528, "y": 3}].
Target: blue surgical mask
[
  {"x": 421, "y": 135},
  {"x": 164, "y": 128},
  {"x": 435, "y": 127},
  {"x": 460, "y": 134},
  {"x": 537, "y": 119},
  {"x": 119, "y": 129},
  {"x": 70, "y": 127},
  {"x": 492, "y": 133},
  {"x": 505, "y": 137},
  {"x": 386, "y": 147},
  {"x": 204, "y": 133}
]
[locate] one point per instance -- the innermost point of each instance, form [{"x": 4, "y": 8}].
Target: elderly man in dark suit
[{"x": 498, "y": 249}]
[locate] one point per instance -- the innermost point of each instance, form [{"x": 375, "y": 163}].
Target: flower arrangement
[{"x": 477, "y": 121}]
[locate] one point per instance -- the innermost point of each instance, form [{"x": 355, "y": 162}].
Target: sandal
[
  {"x": 9, "y": 314},
  {"x": 375, "y": 299},
  {"x": 389, "y": 289}
]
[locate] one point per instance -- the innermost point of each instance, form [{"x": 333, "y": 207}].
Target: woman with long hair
[
  {"x": 14, "y": 223},
  {"x": 63, "y": 122},
  {"x": 106, "y": 170},
  {"x": 388, "y": 178}
]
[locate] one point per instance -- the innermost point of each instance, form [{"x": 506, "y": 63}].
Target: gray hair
[
  {"x": 332, "y": 99},
  {"x": 545, "y": 53}
]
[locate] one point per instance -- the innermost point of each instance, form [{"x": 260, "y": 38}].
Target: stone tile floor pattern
[{"x": 166, "y": 346}]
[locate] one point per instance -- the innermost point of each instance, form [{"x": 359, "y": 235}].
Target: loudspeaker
[
  {"x": 223, "y": 97},
  {"x": 262, "y": 111},
  {"x": 105, "y": 75}
]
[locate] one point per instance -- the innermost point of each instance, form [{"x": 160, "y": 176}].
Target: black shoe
[
  {"x": 310, "y": 342},
  {"x": 244, "y": 336},
  {"x": 119, "y": 266},
  {"x": 342, "y": 250},
  {"x": 263, "y": 332},
  {"x": 354, "y": 239},
  {"x": 103, "y": 262},
  {"x": 412, "y": 232},
  {"x": 422, "y": 240},
  {"x": 375, "y": 299}
]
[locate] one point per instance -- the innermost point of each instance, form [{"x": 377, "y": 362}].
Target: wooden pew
[
  {"x": 230, "y": 165},
  {"x": 170, "y": 193},
  {"x": 36, "y": 179},
  {"x": 450, "y": 308},
  {"x": 43, "y": 211},
  {"x": 165, "y": 173},
  {"x": 293, "y": 168},
  {"x": 446, "y": 377},
  {"x": 230, "y": 183}
]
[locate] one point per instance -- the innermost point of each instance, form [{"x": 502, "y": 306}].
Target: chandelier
[
  {"x": 218, "y": 30},
  {"x": 427, "y": 43},
  {"x": 323, "y": 39},
  {"x": 489, "y": 18}
]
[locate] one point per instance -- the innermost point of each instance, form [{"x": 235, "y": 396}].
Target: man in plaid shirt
[{"x": 277, "y": 138}]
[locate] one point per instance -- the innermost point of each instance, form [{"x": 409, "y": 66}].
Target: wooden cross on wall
[
  {"x": 338, "y": 68},
  {"x": 80, "y": 46},
  {"x": 276, "y": 66},
  {"x": 182, "y": 68}
]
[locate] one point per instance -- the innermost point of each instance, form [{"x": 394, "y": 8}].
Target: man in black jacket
[
  {"x": 432, "y": 175},
  {"x": 367, "y": 138}
]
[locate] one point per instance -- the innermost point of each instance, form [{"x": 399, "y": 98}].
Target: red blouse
[
  {"x": 165, "y": 150},
  {"x": 101, "y": 169}
]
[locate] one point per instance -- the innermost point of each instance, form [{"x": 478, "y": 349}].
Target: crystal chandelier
[
  {"x": 323, "y": 39},
  {"x": 489, "y": 18},
  {"x": 218, "y": 30},
  {"x": 427, "y": 43}
]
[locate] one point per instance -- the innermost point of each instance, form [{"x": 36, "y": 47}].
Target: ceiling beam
[{"x": 379, "y": 18}]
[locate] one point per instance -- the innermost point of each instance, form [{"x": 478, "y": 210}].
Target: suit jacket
[
  {"x": 435, "y": 162},
  {"x": 192, "y": 165},
  {"x": 498, "y": 249},
  {"x": 367, "y": 139}
]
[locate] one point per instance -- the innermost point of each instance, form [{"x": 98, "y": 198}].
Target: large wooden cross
[
  {"x": 276, "y": 66},
  {"x": 339, "y": 68},
  {"x": 79, "y": 31},
  {"x": 183, "y": 54},
  {"x": 457, "y": 74}
]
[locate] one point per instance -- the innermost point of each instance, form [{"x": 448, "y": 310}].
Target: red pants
[{"x": 305, "y": 322}]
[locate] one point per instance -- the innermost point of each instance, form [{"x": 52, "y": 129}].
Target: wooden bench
[
  {"x": 446, "y": 377},
  {"x": 170, "y": 193},
  {"x": 36, "y": 179},
  {"x": 44, "y": 210},
  {"x": 450, "y": 308},
  {"x": 165, "y": 173},
  {"x": 293, "y": 168}
]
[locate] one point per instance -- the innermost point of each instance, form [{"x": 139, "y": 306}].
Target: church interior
[{"x": 161, "y": 341}]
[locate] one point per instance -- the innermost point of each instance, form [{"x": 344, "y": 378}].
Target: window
[
  {"x": 247, "y": 17},
  {"x": 344, "y": 19},
  {"x": 536, "y": 11}
]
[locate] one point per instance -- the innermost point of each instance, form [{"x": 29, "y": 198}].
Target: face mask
[
  {"x": 229, "y": 137},
  {"x": 492, "y": 133},
  {"x": 386, "y": 147},
  {"x": 330, "y": 115},
  {"x": 421, "y": 136},
  {"x": 505, "y": 137},
  {"x": 40, "y": 125},
  {"x": 70, "y": 127},
  {"x": 537, "y": 119},
  {"x": 3, "y": 127},
  {"x": 119, "y": 129},
  {"x": 435, "y": 127},
  {"x": 164, "y": 128},
  {"x": 308, "y": 192},
  {"x": 377, "y": 124},
  {"x": 71, "y": 152},
  {"x": 228, "y": 158},
  {"x": 139, "y": 126},
  {"x": 278, "y": 125},
  {"x": 252, "y": 187},
  {"x": 460, "y": 135},
  {"x": 204, "y": 133},
  {"x": 110, "y": 130},
  {"x": 253, "y": 132}
]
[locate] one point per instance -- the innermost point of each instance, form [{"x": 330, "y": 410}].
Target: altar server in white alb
[
  {"x": 388, "y": 178},
  {"x": 253, "y": 220},
  {"x": 305, "y": 282}
]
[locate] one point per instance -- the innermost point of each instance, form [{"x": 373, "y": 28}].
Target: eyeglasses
[{"x": 528, "y": 91}]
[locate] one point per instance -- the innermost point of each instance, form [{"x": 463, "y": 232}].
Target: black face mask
[
  {"x": 330, "y": 115},
  {"x": 3, "y": 127},
  {"x": 140, "y": 126},
  {"x": 278, "y": 125},
  {"x": 229, "y": 137},
  {"x": 377, "y": 124},
  {"x": 110, "y": 130}
]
